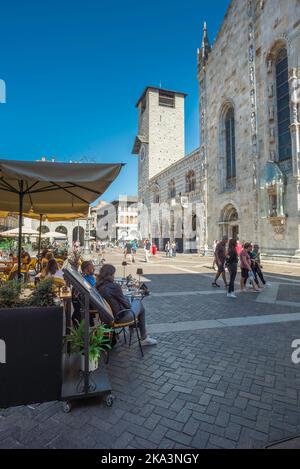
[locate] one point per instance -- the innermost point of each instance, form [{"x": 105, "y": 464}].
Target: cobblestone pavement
[{"x": 221, "y": 387}]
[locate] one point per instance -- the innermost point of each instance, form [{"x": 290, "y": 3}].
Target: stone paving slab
[{"x": 230, "y": 387}]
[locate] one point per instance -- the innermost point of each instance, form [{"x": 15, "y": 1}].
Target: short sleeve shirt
[
  {"x": 245, "y": 259},
  {"x": 221, "y": 252}
]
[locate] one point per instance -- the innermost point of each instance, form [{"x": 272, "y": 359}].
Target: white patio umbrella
[
  {"x": 15, "y": 233},
  {"x": 53, "y": 234}
]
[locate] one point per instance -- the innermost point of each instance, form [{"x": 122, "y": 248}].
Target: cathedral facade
[{"x": 246, "y": 173}]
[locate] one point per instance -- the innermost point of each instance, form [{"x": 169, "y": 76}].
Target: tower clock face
[{"x": 143, "y": 153}]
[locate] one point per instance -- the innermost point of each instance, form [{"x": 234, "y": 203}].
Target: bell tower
[{"x": 160, "y": 139}]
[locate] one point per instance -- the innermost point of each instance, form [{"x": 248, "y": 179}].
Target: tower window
[{"x": 166, "y": 98}]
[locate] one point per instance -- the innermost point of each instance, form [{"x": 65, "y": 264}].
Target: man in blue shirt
[{"x": 88, "y": 269}]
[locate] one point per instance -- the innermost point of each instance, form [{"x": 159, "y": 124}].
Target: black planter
[{"x": 30, "y": 355}]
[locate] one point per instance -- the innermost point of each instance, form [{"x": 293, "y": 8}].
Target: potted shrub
[{"x": 99, "y": 341}]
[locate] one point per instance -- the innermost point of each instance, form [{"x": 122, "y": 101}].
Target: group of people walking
[
  {"x": 171, "y": 248},
  {"x": 229, "y": 254},
  {"x": 130, "y": 250}
]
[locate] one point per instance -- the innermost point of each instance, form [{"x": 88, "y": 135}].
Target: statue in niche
[
  {"x": 270, "y": 66},
  {"x": 249, "y": 7},
  {"x": 272, "y": 134},
  {"x": 252, "y": 75},
  {"x": 251, "y": 53},
  {"x": 252, "y": 97},
  {"x": 270, "y": 90},
  {"x": 250, "y": 30},
  {"x": 254, "y": 175},
  {"x": 272, "y": 155},
  {"x": 253, "y": 122},
  {"x": 271, "y": 113},
  {"x": 295, "y": 96}
]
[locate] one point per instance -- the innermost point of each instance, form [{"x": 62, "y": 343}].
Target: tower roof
[
  {"x": 205, "y": 46},
  {"x": 154, "y": 88}
]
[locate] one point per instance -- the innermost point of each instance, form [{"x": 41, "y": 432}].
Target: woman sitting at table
[
  {"x": 113, "y": 294},
  {"x": 53, "y": 271},
  {"x": 25, "y": 257}
]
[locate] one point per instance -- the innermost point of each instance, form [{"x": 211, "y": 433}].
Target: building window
[
  {"x": 172, "y": 189},
  {"x": 283, "y": 106},
  {"x": 166, "y": 98},
  {"x": 230, "y": 145},
  {"x": 190, "y": 182}
]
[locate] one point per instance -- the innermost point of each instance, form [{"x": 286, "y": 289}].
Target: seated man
[
  {"x": 88, "y": 270},
  {"x": 113, "y": 294}
]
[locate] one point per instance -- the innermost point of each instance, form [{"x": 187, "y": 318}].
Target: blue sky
[{"x": 74, "y": 70}]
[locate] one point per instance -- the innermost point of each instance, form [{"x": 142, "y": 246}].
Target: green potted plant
[
  {"x": 10, "y": 294},
  {"x": 44, "y": 294},
  {"x": 99, "y": 341}
]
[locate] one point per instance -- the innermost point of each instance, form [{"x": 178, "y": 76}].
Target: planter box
[{"x": 30, "y": 355}]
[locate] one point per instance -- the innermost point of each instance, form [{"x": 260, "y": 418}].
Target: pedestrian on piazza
[{"x": 220, "y": 256}]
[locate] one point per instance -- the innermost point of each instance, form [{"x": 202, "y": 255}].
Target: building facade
[
  {"x": 126, "y": 223},
  {"x": 247, "y": 169}
]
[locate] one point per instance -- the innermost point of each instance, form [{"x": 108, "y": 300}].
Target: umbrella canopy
[
  {"x": 53, "y": 234},
  {"x": 55, "y": 188},
  {"x": 15, "y": 233},
  {"x": 52, "y": 188}
]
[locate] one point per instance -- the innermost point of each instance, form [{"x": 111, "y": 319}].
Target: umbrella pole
[
  {"x": 40, "y": 237},
  {"x": 21, "y": 198}
]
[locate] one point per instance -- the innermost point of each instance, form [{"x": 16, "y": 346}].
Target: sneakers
[
  {"x": 148, "y": 341},
  {"x": 231, "y": 295},
  {"x": 214, "y": 284}
]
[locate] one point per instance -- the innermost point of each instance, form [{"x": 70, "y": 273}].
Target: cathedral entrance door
[{"x": 235, "y": 231}]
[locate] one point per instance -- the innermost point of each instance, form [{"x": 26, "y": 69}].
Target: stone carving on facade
[
  {"x": 251, "y": 53},
  {"x": 295, "y": 96},
  {"x": 272, "y": 134},
  {"x": 272, "y": 155},
  {"x": 252, "y": 98},
  {"x": 271, "y": 112},
  {"x": 270, "y": 90},
  {"x": 251, "y": 76},
  {"x": 250, "y": 31},
  {"x": 270, "y": 66},
  {"x": 249, "y": 7},
  {"x": 253, "y": 123}
]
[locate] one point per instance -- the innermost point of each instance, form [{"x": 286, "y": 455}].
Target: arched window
[
  {"x": 230, "y": 145},
  {"x": 190, "y": 182},
  {"x": 44, "y": 229},
  {"x": 283, "y": 106},
  {"x": 62, "y": 229},
  {"x": 156, "y": 193}
]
